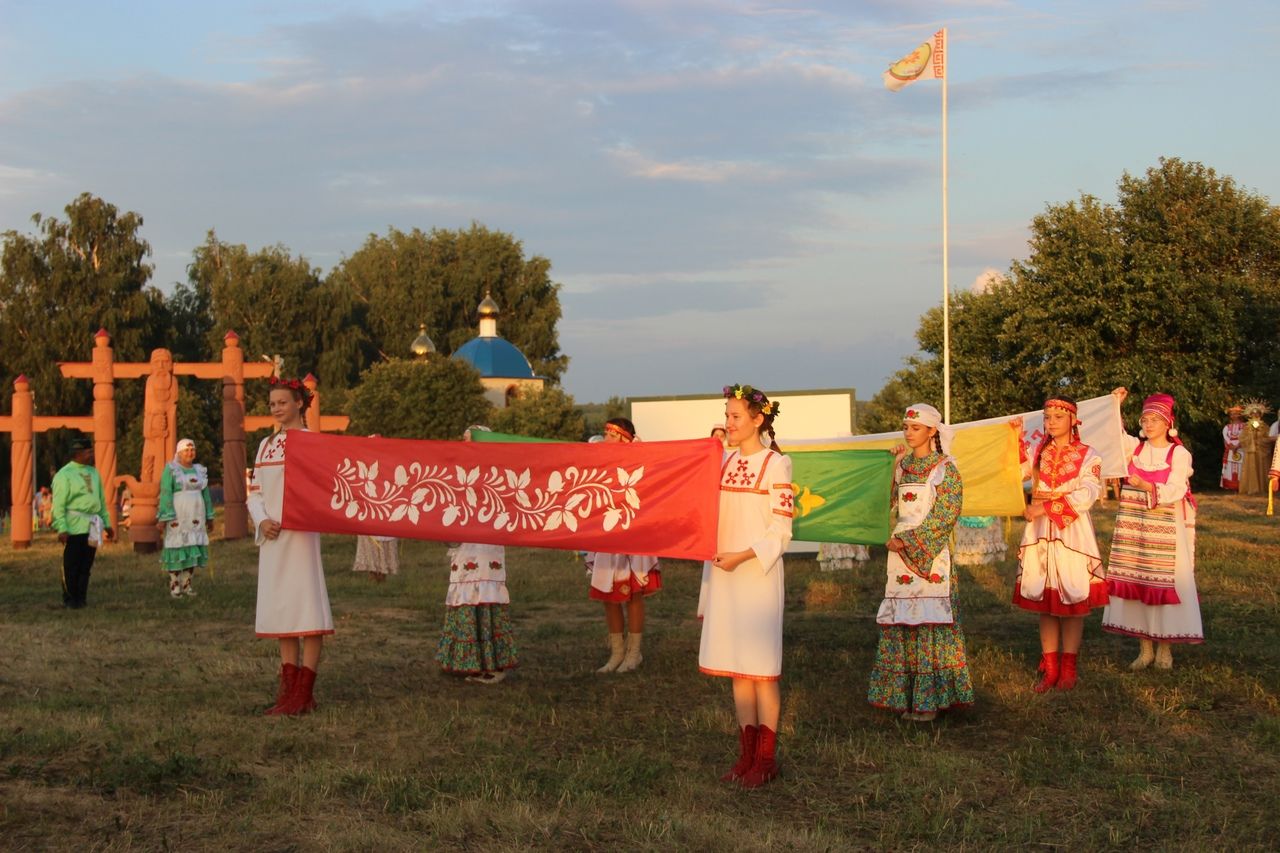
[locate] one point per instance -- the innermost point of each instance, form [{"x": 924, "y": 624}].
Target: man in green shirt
[{"x": 80, "y": 517}]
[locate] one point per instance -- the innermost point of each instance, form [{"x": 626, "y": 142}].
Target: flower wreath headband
[
  {"x": 293, "y": 385},
  {"x": 751, "y": 395}
]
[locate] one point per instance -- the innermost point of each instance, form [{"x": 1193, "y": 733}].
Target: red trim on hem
[
  {"x": 295, "y": 634},
  {"x": 1052, "y": 604},
  {"x": 1149, "y": 595},
  {"x": 633, "y": 587},
  {"x": 1126, "y": 632},
  {"x": 721, "y": 674}
]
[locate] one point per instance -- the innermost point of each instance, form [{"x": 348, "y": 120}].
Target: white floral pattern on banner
[{"x": 501, "y": 498}]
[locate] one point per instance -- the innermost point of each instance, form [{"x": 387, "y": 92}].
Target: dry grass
[{"x": 134, "y": 724}]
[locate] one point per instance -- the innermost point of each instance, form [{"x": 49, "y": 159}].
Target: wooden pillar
[
  {"x": 235, "y": 519},
  {"x": 104, "y": 419},
  {"x": 312, "y": 416},
  {"x": 21, "y": 429}
]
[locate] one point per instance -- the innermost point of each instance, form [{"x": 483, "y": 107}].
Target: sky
[{"x": 725, "y": 190}]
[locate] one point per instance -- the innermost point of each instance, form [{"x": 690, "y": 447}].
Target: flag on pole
[
  {"x": 842, "y": 496},
  {"x": 926, "y": 62}
]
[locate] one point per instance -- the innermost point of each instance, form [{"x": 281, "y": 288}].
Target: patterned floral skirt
[
  {"x": 477, "y": 638},
  {"x": 922, "y": 668}
]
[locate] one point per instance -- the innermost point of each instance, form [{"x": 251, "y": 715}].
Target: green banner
[
  {"x": 842, "y": 496},
  {"x": 510, "y": 438}
]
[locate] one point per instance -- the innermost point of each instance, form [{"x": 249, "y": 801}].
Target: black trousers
[{"x": 77, "y": 562}]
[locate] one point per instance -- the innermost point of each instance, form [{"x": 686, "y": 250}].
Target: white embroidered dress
[
  {"x": 742, "y": 609},
  {"x": 292, "y": 598}
]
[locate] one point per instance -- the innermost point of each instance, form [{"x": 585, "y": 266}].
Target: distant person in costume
[
  {"x": 80, "y": 517},
  {"x": 719, "y": 434},
  {"x": 1151, "y": 571},
  {"x": 618, "y": 579},
  {"x": 293, "y": 603},
  {"x": 1232, "y": 456},
  {"x": 920, "y": 666},
  {"x": 44, "y": 508},
  {"x": 377, "y": 556},
  {"x": 185, "y": 518},
  {"x": 1273, "y": 476},
  {"x": 744, "y": 598},
  {"x": 1060, "y": 570},
  {"x": 979, "y": 541},
  {"x": 1255, "y": 445},
  {"x": 477, "y": 640}
]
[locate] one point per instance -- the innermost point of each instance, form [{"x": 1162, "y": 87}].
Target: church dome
[{"x": 495, "y": 358}]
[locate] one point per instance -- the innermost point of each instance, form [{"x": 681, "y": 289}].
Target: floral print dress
[
  {"x": 477, "y": 636},
  {"x": 923, "y": 667}
]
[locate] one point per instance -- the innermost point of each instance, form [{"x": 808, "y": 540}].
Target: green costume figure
[
  {"x": 185, "y": 518},
  {"x": 80, "y": 517}
]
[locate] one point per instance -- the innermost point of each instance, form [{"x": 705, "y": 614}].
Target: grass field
[{"x": 135, "y": 724}]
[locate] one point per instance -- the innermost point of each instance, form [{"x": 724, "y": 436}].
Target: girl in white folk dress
[
  {"x": 743, "y": 601},
  {"x": 1151, "y": 578},
  {"x": 618, "y": 579},
  {"x": 293, "y": 604},
  {"x": 1060, "y": 571}
]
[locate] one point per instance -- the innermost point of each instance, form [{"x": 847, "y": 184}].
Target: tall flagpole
[{"x": 946, "y": 284}]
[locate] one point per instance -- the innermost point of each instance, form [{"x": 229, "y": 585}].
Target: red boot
[
  {"x": 301, "y": 700},
  {"x": 746, "y": 754},
  {"x": 1067, "y": 679},
  {"x": 765, "y": 767},
  {"x": 288, "y": 677},
  {"x": 1049, "y": 666}
]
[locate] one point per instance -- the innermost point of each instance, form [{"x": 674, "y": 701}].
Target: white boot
[
  {"x": 1164, "y": 656},
  {"x": 175, "y": 584},
  {"x": 633, "y": 657},
  {"x": 1146, "y": 654},
  {"x": 615, "y": 653}
]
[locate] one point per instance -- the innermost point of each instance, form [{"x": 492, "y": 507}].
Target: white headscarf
[
  {"x": 183, "y": 444},
  {"x": 923, "y": 413}
]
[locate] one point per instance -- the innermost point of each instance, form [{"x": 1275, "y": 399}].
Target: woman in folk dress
[
  {"x": 1060, "y": 571},
  {"x": 1151, "y": 576},
  {"x": 920, "y": 667},
  {"x": 293, "y": 603},
  {"x": 477, "y": 639},
  {"x": 742, "y": 608},
  {"x": 618, "y": 579},
  {"x": 185, "y": 518}
]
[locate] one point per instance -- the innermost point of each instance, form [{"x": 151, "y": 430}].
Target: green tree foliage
[
  {"x": 433, "y": 399},
  {"x": 58, "y": 286},
  {"x": 1175, "y": 288},
  {"x": 549, "y": 413},
  {"x": 439, "y": 277},
  {"x": 279, "y": 305}
]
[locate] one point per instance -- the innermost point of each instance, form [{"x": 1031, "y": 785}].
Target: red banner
[{"x": 660, "y": 498}]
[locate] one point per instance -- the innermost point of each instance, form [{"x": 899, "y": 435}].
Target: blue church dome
[{"x": 495, "y": 358}]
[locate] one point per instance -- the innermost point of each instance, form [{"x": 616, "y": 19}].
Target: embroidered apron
[
  {"x": 914, "y": 597},
  {"x": 187, "y": 527},
  {"x": 1145, "y": 544}
]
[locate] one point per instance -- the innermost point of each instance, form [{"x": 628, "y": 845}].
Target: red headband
[
  {"x": 1055, "y": 403},
  {"x": 619, "y": 431}
]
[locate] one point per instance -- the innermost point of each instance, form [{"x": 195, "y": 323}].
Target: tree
[
  {"x": 433, "y": 399},
  {"x": 278, "y": 305},
  {"x": 57, "y": 288},
  {"x": 1174, "y": 288},
  {"x": 439, "y": 278},
  {"x": 549, "y": 413}
]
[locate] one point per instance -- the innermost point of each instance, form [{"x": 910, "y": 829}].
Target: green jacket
[{"x": 77, "y": 495}]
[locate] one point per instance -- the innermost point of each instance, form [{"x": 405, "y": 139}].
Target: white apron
[{"x": 912, "y": 598}]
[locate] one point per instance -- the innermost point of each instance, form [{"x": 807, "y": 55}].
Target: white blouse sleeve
[
  {"x": 254, "y": 503},
  {"x": 1088, "y": 485},
  {"x": 1175, "y": 488},
  {"x": 769, "y": 547}
]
